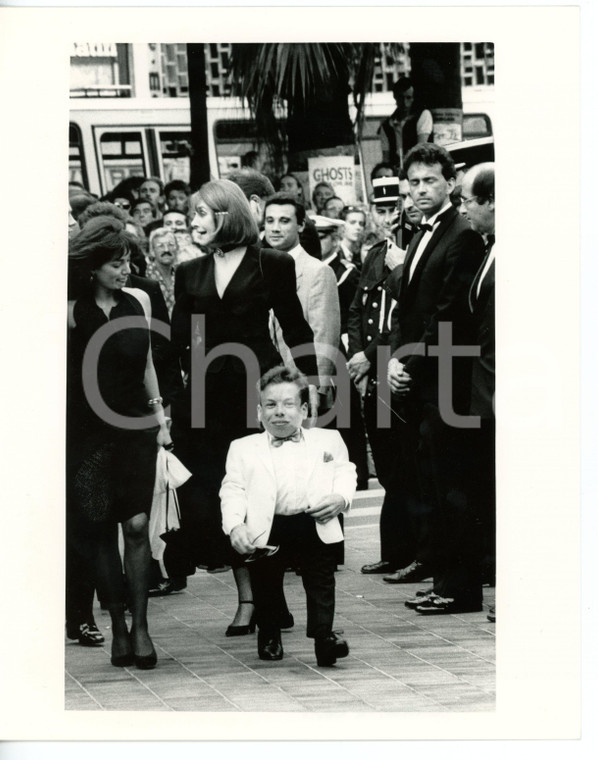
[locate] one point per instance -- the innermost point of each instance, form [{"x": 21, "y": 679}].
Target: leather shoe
[
  {"x": 330, "y": 649},
  {"x": 413, "y": 573},
  {"x": 87, "y": 634},
  {"x": 269, "y": 646},
  {"x": 287, "y": 622},
  {"x": 165, "y": 587},
  {"x": 438, "y": 605},
  {"x": 420, "y": 598},
  {"x": 377, "y": 568}
]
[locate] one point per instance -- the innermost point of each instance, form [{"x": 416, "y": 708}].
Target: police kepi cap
[
  {"x": 386, "y": 190},
  {"x": 324, "y": 223}
]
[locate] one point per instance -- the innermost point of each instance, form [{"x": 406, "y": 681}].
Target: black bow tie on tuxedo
[
  {"x": 424, "y": 227},
  {"x": 294, "y": 437},
  {"x": 489, "y": 242}
]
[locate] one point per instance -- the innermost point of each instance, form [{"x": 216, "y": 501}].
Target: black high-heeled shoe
[
  {"x": 123, "y": 660},
  {"x": 146, "y": 661},
  {"x": 242, "y": 630}
]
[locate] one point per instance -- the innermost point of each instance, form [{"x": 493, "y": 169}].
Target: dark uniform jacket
[{"x": 368, "y": 323}]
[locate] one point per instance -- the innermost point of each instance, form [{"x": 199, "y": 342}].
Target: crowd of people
[{"x": 342, "y": 325}]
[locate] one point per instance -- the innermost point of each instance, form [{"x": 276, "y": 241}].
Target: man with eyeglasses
[{"x": 478, "y": 206}]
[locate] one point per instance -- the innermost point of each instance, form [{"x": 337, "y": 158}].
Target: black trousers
[
  {"x": 451, "y": 543},
  {"x": 299, "y": 543}
]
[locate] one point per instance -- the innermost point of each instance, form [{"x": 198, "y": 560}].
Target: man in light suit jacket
[
  {"x": 284, "y": 218},
  {"x": 439, "y": 268},
  {"x": 285, "y": 488}
]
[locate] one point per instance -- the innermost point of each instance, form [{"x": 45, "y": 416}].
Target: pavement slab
[{"x": 399, "y": 661}]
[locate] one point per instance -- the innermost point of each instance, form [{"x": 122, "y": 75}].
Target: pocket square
[{"x": 327, "y": 457}]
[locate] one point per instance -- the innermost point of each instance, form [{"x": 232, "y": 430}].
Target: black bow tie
[
  {"x": 426, "y": 227},
  {"x": 295, "y": 438},
  {"x": 489, "y": 242}
]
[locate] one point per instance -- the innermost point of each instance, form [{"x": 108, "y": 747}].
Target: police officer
[{"x": 368, "y": 328}]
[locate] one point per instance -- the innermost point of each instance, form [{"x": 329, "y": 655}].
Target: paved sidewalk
[{"x": 399, "y": 661}]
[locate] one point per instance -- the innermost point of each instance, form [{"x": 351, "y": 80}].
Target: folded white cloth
[{"x": 165, "y": 514}]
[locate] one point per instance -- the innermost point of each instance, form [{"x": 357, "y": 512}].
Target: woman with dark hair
[
  {"x": 115, "y": 425},
  {"x": 231, "y": 290}
]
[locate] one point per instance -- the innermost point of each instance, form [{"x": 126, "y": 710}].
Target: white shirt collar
[
  {"x": 329, "y": 258},
  {"x": 296, "y": 251},
  {"x": 432, "y": 220}
]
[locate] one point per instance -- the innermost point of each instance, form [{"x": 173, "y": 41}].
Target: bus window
[
  {"x": 122, "y": 156},
  {"x": 175, "y": 150},
  {"x": 77, "y": 171},
  {"x": 233, "y": 140}
]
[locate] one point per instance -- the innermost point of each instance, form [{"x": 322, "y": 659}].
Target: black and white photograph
[{"x": 288, "y": 416}]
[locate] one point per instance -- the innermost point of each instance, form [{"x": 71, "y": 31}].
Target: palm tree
[{"x": 314, "y": 81}]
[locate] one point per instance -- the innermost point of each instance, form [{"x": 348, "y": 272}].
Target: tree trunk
[
  {"x": 436, "y": 76},
  {"x": 200, "y": 158}
]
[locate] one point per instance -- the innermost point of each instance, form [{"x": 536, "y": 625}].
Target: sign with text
[
  {"x": 338, "y": 171},
  {"x": 93, "y": 50}
]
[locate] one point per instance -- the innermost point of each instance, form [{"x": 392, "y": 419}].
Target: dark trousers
[
  {"x": 80, "y": 586},
  {"x": 481, "y": 489},
  {"x": 451, "y": 543},
  {"x": 299, "y": 542}
]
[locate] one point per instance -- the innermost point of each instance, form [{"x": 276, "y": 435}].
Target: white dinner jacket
[{"x": 248, "y": 492}]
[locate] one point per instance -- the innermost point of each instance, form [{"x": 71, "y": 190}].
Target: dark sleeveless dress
[{"x": 110, "y": 470}]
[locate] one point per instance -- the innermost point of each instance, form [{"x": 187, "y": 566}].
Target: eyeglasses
[
  {"x": 324, "y": 234},
  {"x": 124, "y": 205}
]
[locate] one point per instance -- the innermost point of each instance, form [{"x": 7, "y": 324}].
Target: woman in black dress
[
  {"x": 227, "y": 296},
  {"x": 115, "y": 425}
]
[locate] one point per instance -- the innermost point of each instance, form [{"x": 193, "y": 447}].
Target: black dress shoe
[
  {"x": 269, "y": 646},
  {"x": 420, "y": 598},
  {"x": 438, "y": 605},
  {"x": 87, "y": 634},
  {"x": 330, "y": 649},
  {"x": 413, "y": 573},
  {"x": 376, "y": 568},
  {"x": 287, "y": 622}
]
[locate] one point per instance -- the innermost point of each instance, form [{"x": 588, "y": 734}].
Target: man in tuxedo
[
  {"x": 478, "y": 205},
  {"x": 439, "y": 268},
  {"x": 284, "y": 218},
  {"x": 280, "y": 498}
]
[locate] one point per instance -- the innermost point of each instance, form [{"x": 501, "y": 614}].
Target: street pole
[{"x": 200, "y": 159}]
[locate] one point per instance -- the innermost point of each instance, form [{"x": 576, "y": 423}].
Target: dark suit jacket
[
  {"x": 438, "y": 292},
  {"x": 264, "y": 280},
  {"x": 483, "y": 373}
]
